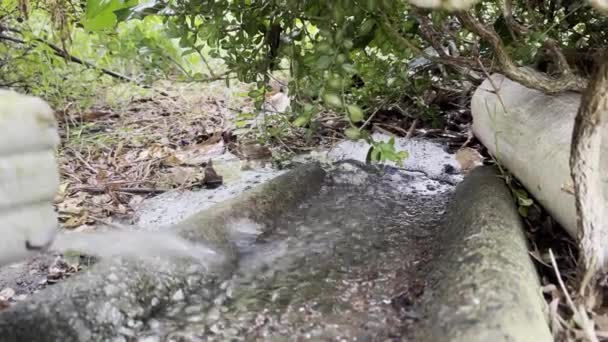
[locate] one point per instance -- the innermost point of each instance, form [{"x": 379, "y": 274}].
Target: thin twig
[
  {"x": 526, "y": 76},
  {"x": 372, "y": 115},
  {"x": 97, "y": 189},
  {"x": 86, "y": 163},
  {"x": 580, "y": 316},
  {"x": 410, "y": 132}
]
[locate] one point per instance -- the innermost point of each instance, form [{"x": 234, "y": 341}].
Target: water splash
[{"x": 136, "y": 244}]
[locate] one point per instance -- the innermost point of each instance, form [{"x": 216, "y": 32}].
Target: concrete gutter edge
[
  {"x": 483, "y": 284},
  {"x": 261, "y": 204}
]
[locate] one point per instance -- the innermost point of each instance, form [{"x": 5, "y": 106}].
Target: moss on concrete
[{"x": 484, "y": 286}]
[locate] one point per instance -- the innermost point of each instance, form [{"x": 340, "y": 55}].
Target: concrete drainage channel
[
  {"x": 344, "y": 251},
  {"x": 347, "y": 253}
]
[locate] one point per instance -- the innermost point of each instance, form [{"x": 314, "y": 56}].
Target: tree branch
[
  {"x": 562, "y": 63},
  {"x": 526, "y": 76},
  {"x": 507, "y": 12},
  {"x": 458, "y": 62},
  {"x": 61, "y": 53}
]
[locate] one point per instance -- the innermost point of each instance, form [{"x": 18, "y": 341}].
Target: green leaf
[
  {"x": 332, "y": 100},
  {"x": 347, "y": 44},
  {"x": 355, "y": 113},
  {"x": 99, "y": 14},
  {"x": 376, "y": 154},
  {"x": 323, "y": 62},
  {"x": 366, "y": 27},
  {"x": 352, "y": 133},
  {"x": 523, "y": 211},
  {"x": 349, "y": 68},
  {"x": 324, "y": 48},
  {"x": 301, "y": 120},
  {"x": 519, "y": 193},
  {"x": 524, "y": 201},
  {"x": 335, "y": 83},
  {"x": 341, "y": 58}
]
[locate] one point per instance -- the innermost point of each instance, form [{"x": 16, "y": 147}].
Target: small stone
[
  {"x": 194, "y": 319},
  {"x": 111, "y": 290},
  {"x": 178, "y": 296},
  {"x": 126, "y": 331},
  {"x": 216, "y": 328},
  {"x": 213, "y": 314},
  {"x": 149, "y": 339},
  {"x": 7, "y": 293},
  {"x": 20, "y": 297},
  {"x": 112, "y": 277}
]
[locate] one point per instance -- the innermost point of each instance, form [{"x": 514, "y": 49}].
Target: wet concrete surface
[{"x": 344, "y": 266}]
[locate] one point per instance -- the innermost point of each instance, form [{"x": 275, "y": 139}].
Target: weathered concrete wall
[
  {"x": 118, "y": 298},
  {"x": 483, "y": 284},
  {"x": 29, "y": 176},
  {"x": 530, "y": 133}
]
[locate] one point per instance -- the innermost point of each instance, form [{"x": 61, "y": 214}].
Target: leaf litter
[
  {"x": 111, "y": 159},
  {"x": 114, "y": 156}
]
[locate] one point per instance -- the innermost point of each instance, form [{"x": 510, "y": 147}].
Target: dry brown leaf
[
  {"x": 75, "y": 221},
  {"x": 73, "y": 204},
  {"x": 164, "y": 141},
  {"x": 201, "y": 153},
  {"x": 61, "y": 192},
  {"x": 155, "y": 151},
  {"x": 95, "y": 114},
  {"x": 135, "y": 201},
  {"x": 101, "y": 199},
  {"x": 172, "y": 160},
  {"x": 468, "y": 159},
  {"x": 602, "y": 322},
  {"x": 182, "y": 175},
  {"x": 121, "y": 209},
  {"x": 101, "y": 177},
  {"x": 131, "y": 156},
  {"x": 254, "y": 151}
]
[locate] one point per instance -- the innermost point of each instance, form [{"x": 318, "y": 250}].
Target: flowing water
[
  {"x": 345, "y": 265},
  {"x": 136, "y": 243}
]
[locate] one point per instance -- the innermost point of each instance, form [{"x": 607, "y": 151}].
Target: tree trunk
[{"x": 586, "y": 173}]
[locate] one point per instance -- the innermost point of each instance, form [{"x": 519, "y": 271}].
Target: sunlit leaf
[
  {"x": 100, "y": 14},
  {"x": 355, "y": 113},
  {"x": 301, "y": 120},
  {"x": 332, "y": 100}
]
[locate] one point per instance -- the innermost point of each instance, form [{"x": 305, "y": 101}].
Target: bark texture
[{"x": 587, "y": 177}]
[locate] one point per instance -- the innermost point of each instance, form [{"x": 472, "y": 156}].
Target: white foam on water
[
  {"x": 173, "y": 207},
  {"x": 424, "y": 155}
]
